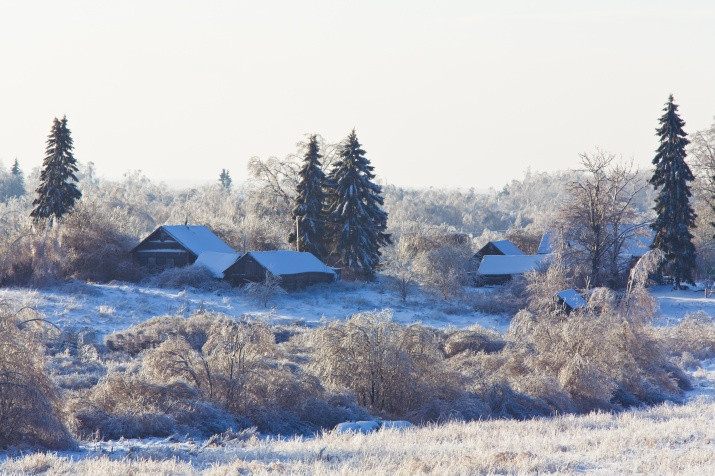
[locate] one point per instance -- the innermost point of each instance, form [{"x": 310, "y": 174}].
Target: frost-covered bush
[
  {"x": 389, "y": 367},
  {"x": 593, "y": 357},
  {"x": 233, "y": 366},
  {"x": 87, "y": 245},
  {"x": 264, "y": 292},
  {"x": 197, "y": 277},
  {"x": 475, "y": 339},
  {"x": 29, "y": 401},
  {"x": 130, "y": 405},
  {"x": 443, "y": 270}
]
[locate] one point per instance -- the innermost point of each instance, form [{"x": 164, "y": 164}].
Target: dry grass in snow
[{"x": 667, "y": 439}]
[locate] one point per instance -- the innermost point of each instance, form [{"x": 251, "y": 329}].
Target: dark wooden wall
[{"x": 160, "y": 249}]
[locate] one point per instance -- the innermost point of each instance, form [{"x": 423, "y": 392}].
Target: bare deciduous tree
[
  {"x": 599, "y": 217},
  {"x": 398, "y": 262}
]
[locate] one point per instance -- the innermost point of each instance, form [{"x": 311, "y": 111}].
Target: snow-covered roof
[
  {"x": 283, "y": 262},
  {"x": 572, "y": 298},
  {"x": 216, "y": 262},
  {"x": 501, "y": 265},
  {"x": 547, "y": 245},
  {"x": 507, "y": 247},
  {"x": 197, "y": 238}
]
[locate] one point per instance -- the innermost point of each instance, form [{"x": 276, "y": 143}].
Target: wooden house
[
  {"x": 177, "y": 245},
  {"x": 295, "y": 269},
  {"x": 498, "y": 269},
  {"x": 498, "y": 248}
]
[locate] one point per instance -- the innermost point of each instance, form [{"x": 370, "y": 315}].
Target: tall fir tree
[
  {"x": 355, "y": 209},
  {"x": 308, "y": 213},
  {"x": 225, "y": 179},
  {"x": 58, "y": 190},
  {"x": 675, "y": 215}
]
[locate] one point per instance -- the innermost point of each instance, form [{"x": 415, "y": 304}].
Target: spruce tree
[
  {"x": 355, "y": 208},
  {"x": 310, "y": 203},
  {"x": 58, "y": 191},
  {"x": 675, "y": 215},
  {"x": 16, "y": 168},
  {"x": 225, "y": 179},
  {"x": 17, "y": 181}
]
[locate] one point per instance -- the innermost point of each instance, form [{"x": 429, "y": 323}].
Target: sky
[{"x": 441, "y": 94}]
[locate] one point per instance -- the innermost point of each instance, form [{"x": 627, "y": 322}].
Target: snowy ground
[
  {"x": 114, "y": 307},
  {"x": 111, "y": 307},
  {"x": 674, "y": 305}
]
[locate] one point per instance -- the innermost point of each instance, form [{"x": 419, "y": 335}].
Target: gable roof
[
  {"x": 572, "y": 298},
  {"x": 502, "y": 265},
  {"x": 507, "y": 247},
  {"x": 197, "y": 238},
  {"x": 217, "y": 262},
  {"x": 284, "y": 262}
]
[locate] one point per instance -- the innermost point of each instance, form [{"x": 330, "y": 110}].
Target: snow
[
  {"x": 368, "y": 426},
  {"x": 284, "y": 262},
  {"x": 396, "y": 424},
  {"x": 675, "y": 304},
  {"x": 76, "y": 304},
  {"x": 357, "y": 427},
  {"x": 572, "y": 298},
  {"x": 507, "y": 247},
  {"x": 197, "y": 238},
  {"x": 216, "y": 262},
  {"x": 497, "y": 265}
]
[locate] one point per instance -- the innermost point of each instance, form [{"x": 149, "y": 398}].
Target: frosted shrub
[
  {"x": 28, "y": 399},
  {"x": 443, "y": 270},
  {"x": 389, "y": 367},
  {"x": 197, "y": 277},
  {"x": 593, "y": 357},
  {"x": 476, "y": 339},
  {"x": 265, "y": 291}
]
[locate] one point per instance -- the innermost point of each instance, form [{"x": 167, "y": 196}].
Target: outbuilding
[
  {"x": 498, "y": 269},
  {"x": 295, "y": 269},
  {"x": 570, "y": 300}
]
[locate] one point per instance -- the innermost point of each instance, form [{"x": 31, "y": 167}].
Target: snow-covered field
[
  {"x": 666, "y": 439},
  {"x": 114, "y": 307}
]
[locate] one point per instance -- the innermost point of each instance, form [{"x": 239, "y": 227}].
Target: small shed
[
  {"x": 500, "y": 247},
  {"x": 177, "y": 245},
  {"x": 498, "y": 269},
  {"x": 295, "y": 269},
  {"x": 570, "y": 300}
]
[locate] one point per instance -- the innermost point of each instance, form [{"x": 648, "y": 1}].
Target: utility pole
[{"x": 297, "y": 235}]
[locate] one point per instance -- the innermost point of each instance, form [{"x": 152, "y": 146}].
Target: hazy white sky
[{"x": 448, "y": 93}]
